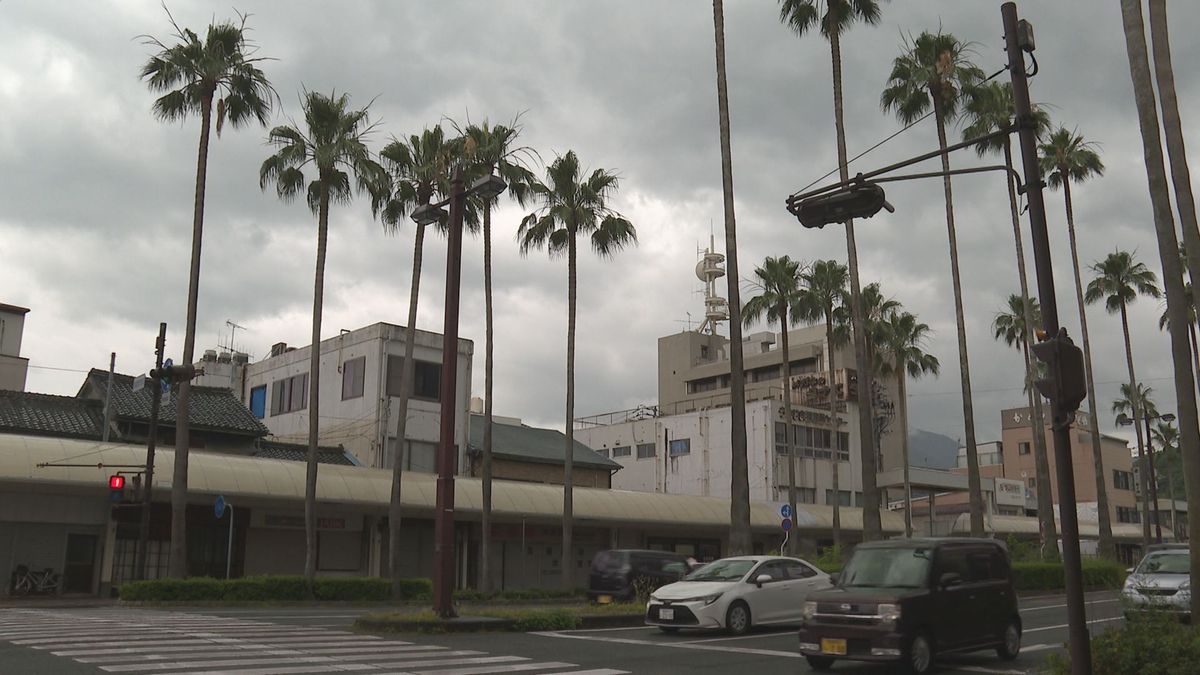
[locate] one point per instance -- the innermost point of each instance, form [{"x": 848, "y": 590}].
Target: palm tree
[
  {"x": 779, "y": 280},
  {"x": 573, "y": 205},
  {"x": 1164, "y": 229},
  {"x": 1166, "y": 436},
  {"x": 332, "y": 143},
  {"x": 493, "y": 150},
  {"x": 1119, "y": 281},
  {"x": 934, "y": 72},
  {"x": 802, "y": 16},
  {"x": 739, "y": 478},
  {"x": 1066, "y": 158},
  {"x": 1013, "y": 327},
  {"x": 190, "y": 74},
  {"x": 903, "y": 347},
  {"x": 1165, "y": 319},
  {"x": 419, "y": 167},
  {"x": 876, "y": 310},
  {"x": 1140, "y": 399},
  {"x": 823, "y": 299}
]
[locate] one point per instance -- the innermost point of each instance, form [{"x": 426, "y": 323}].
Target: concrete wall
[
  {"x": 535, "y": 472},
  {"x": 34, "y": 529},
  {"x": 13, "y": 367}
]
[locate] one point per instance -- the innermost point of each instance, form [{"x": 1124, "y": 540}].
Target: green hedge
[
  {"x": 1040, "y": 576},
  {"x": 521, "y": 594},
  {"x": 272, "y": 589},
  {"x": 1149, "y": 646}
]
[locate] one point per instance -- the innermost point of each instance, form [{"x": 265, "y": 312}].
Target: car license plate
[
  {"x": 832, "y": 646},
  {"x": 603, "y": 599},
  {"x": 665, "y": 614}
]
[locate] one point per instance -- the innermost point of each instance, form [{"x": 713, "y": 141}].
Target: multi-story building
[{"x": 13, "y": 367}]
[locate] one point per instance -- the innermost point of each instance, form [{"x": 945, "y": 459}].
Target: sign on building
[{"x": 1010, "y": 492}]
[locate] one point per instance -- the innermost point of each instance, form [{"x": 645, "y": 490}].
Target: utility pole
[
  {"x": 1153, "y": 480},
  {"x": 112, "y": 365},
  {"x": 155, "y": 404},
  {"x": 1018, "y": 37}
]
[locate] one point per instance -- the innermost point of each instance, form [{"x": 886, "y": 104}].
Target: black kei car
[
  {"x": 911, "y": 600},
  {"x": 615, "y": 574}
]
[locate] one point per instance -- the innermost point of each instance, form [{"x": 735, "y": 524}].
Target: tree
[
  {"x": 1165, "y": 318},
  {"x": 1167, "y": 465},
  {"x": 992, "y": 109},
  {"x": 823, "y": 298},
  {"x": 1140, "y": 400},
  {"x": 779, "y": 283},
  {"x": 1119, "y": 281},
  {"x": 573, "y": 205},
  {"x": 493, "y": 150},
  {"x": 802, "y": 16},
  {"x": 935, "y": 72},
  {"x": 902, "y": 345},
  {"x": 1014, "y": 327},
  {"x": 190, "y": 74},
  {"x": 332, "y": 143},
  {"x": 1066, "y": 158},
  {"x": 739, "y": 475}
]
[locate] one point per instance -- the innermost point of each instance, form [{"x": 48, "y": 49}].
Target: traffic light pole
[
  {"x": 1079, "y": 641},
  {"x": 155, "y": 403}
]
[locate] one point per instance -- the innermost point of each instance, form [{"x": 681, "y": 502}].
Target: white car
[{"x": 737, "y": 593}]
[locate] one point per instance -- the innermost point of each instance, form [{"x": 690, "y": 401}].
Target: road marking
[
  {"x": 1038, "y": 648},
  {"x": 494, "y": 669},
  {"x": 981, "y": 669},
  {"x": 1065, "y": 625},
  {"x": 735, "y": 637},
  {"x": 1090, "y": 602},
  {"x": 598, "y": 671},
  {"x": 606, "y": 630},
  {"x": 673, "y": 645},
  {"x": 412, "y": 660}
]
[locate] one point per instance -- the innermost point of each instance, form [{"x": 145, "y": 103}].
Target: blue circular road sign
[
  {"x": 219, "y": 507},
  {"x": 786, "y": 524},
  {"x": 785, "y": 511}
]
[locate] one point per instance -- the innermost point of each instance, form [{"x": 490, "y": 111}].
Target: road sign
[
  {"x": 786, "y": 524},
  {"x": 219, "y": 507},
  {"x": 166, "y": 386},
  {"x": 785, "y": 511},
  {"x": 139, "y": 383}
]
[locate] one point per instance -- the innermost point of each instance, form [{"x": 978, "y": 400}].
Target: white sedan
[{"x": 737, "y": 593}]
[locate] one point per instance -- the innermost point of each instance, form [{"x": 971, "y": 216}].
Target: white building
[{"x": 13, "y": 367}]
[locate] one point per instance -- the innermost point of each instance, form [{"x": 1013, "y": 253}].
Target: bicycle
[{"x": 29, "y": 581}]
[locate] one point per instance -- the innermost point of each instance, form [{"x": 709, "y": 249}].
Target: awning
[{"x": 1024, "y": 525}]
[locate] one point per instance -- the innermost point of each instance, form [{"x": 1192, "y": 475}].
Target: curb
[{"x": 477, "y": 624}]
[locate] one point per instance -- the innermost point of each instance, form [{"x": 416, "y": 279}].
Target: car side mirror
[
  {"x": 762, "y": 579},
  {"x": 949, "y": 579}
]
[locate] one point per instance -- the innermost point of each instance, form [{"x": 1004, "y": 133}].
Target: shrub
[
  {"x": 1154, "y": 645},
  {"x": 1045, "y": 576},
  {"x": 831, "y": 559},
  {"x": 556, "y": 619},
  {"x": 196, "y": 589},
  {"x": 520, "y": 594},
  {"x": 272, "y": 589}
]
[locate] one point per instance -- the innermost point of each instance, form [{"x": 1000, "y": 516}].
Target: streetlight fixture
[
  {"x": 1124, "y": 420},
  {"x": 443, "y": 529}
]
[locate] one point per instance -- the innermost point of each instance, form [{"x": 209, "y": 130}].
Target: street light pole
[
  {"x": 1153, "y": 481},
  {"x": 143, "y": 541},
  {"x": 1018, "y": 36}
]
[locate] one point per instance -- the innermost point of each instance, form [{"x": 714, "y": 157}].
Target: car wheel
[
  {"x": 737, "y": 618},
  {"x": 919, "y": 655},
  {"x": 668, "y": 630},
  {"x": 819, "y": 662},
  {"x": 1010, "y": 646}
]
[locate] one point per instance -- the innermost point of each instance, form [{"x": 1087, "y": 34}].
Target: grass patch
[
  {"x": 272, "y": 589},
  {"x": 1152, "y": 645},
  {"x": 523, "y": 619}
]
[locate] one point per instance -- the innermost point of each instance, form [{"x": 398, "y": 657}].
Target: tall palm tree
[
  {"x": 573, "y": 205},
  {"x": 992, "y": 109},
  {"x": 332, "y": 144},
  {"x": 823, "y": 299},
  {"x": 1119, "y": 281},
  {"x": 935, "y": 72},
  {"x": 1066, "y": 158},
  {"x": 779, "y": 283},
  {"x": 1013, "y": 326},
  {"x": 1165, "y": 319},
  {"x": 190, "y": 74},
  {"x": 1140, "y": 399},
  {"x": 1164, "y": 229},
  {"x": 419, "y": 167},
  {"x": 838, "y": 15},
  {"x": 902, "y": 343},
  {"x": 493, "y": 150},
  {"x": 1166, "y": 437},
  {"x": 739, "y": 478}
]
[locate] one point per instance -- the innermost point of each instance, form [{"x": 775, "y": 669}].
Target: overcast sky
[{"x": 96, "y": 199}]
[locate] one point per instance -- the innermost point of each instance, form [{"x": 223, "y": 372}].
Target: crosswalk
[{"x": 149, "y": 642}]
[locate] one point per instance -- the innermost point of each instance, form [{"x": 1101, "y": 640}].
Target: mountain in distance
[{"x": 932, "y": 450}]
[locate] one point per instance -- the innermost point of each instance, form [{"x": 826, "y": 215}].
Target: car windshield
[
  {"x": 721, "y": 570},
  {"x": 887, "y": 568},
  {"x": 1165, "y": 563}
]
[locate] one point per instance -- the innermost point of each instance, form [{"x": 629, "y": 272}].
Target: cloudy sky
[{"x": 95, "y": 204}]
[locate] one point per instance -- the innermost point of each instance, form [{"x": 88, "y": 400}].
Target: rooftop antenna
[
  {"x": 710, "y": 268},
  {"x": 233, "y": 328}
]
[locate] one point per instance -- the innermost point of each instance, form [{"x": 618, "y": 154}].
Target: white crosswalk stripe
[{"x": 149, "y": 642}]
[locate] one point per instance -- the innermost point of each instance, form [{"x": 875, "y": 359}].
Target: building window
[
  {"x": 289, "y": 394},
  {"x": 844, "y": 497},
  {"x": 1023, "y": 448},
  {"x": 353, "y": 372},
  {"x": 427, "y": 378},
  {"x": 805, "y": 495},
  {"x": 679, "y": 446},
  {"x": 704, "y": 351},
  {"x": 1122, "y": 480},
  {"x": 1033, "y": 483},
  {"x": 644, "y": 450},
  {"x": 603, "y": 452},
  {"x": 620, "y": 451},
  {"x": 1127, "y": 514},
  {"x": 258, "y": 401}
]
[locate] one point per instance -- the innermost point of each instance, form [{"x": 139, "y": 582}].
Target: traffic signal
[
  {"x": 861, "y": 200},
  {"x": 1066, "y": 383},
  {"x": 116, "y": 488},
  {"x": 171, "y": 374}
]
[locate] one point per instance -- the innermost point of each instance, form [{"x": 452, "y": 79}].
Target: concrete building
[
  {"x": 13, "y": 367},
  {"x": 533, "y": 455}
]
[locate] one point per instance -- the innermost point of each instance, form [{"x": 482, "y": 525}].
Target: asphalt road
[{"x": 270, "y": 641}]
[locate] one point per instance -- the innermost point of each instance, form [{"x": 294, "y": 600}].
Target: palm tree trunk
[
  {"x": 872, "y": 526},
  {"x": 739, "y": 482},
  {"x": 406, "y": 378},
  {"x": 902, "y": 389},
  {"x": 1107, "y": 546},
  {"x": 1144, "y": 472},
  {"x": 1195, "y": 348},
  {"x": 314, "y": 400},
  {"x": 1171, "y": 493},
  {"x": 833, "y": 417},
  {"x": 973, "y": 481},
  {"x": 784, "y": 315},
  {"x": 177, "y": 564},
  {"x": 485, "y": 579},
  {"x": 1045, "y": 498},
  {"x": 568, "y": 552}
]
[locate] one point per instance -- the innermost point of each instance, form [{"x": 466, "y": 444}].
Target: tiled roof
[
  {"x": 531, "y": 444},
  {"x": 28, "y": 413},
  {"x": 297, "y": 452},
  {"x": 210, "y": 408}
]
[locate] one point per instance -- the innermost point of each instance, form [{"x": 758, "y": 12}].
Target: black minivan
[
  {"x": 616, "y": 573},
  {"x": 909, "y": 600}
]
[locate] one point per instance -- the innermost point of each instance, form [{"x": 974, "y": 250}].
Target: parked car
[
  {"x": 1160, "y": 582},
  {"x": 616, "y": 575},
  {"x": 910, "y": 600},
  {"x": 736, "y": 593}
]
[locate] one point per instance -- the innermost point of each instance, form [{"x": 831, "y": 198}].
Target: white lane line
[
  {"x": 142, "y": 658},
  {"x": 673, "y": 645},
  {"x": 256, "y": 661},
  {"x": 597, "y": 671},
  {"x": 608, "y": 630},
  {"x": 1064, "y": 625},
  {"x": 255, "y": 650},
  {"x": 254, "y": 634},
  {"x": 375, "y": 648},
  {"x": 1038, "y": 647},
  {"x": 414, "y": 660},
  {"x": 981, "y": 669},
  {"x": 497, "y": 669},
  {"x": 1090, "y": 602},
  {"x": 293, "y": 616},
  {"x": 736, "y": 637},
  {"x": 285, "y": 670}
]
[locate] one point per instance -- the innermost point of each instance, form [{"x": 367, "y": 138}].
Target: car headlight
[
  {"x": 1186, "y": 586},
  {"x": 809, "y": 610},
  {"x": 888, "y": 613},
  {"x": 655, "y": 598},
  {"x": 710, "y": 599}
]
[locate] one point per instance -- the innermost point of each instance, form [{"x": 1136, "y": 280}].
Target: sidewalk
[{"x": 54, "y": 601}]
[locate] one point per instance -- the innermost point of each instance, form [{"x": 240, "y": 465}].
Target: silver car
[{"x": 1161, "y": 582}]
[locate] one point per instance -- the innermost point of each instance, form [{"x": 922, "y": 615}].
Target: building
[
  {"x": 534, "y": 455},
  {"x": 13, "y": 367}
]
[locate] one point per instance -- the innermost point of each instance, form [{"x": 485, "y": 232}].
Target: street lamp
[
  {"x": 1124, "y": 420},
  {"x": 443, "y": 520}
]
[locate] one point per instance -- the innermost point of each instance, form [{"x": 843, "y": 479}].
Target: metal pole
[
  {"x": 1153, "y": 481},
  {"x": 112, "y": 365},
  {"x": 443, "y": 529},
  {"x": 229, "y": 544},
  {"x": 1080, "y": 643},
  {"x": 155, "y": 403}
]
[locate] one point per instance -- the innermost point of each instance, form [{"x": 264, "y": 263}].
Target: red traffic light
[{"x": 116, "y": 482}]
